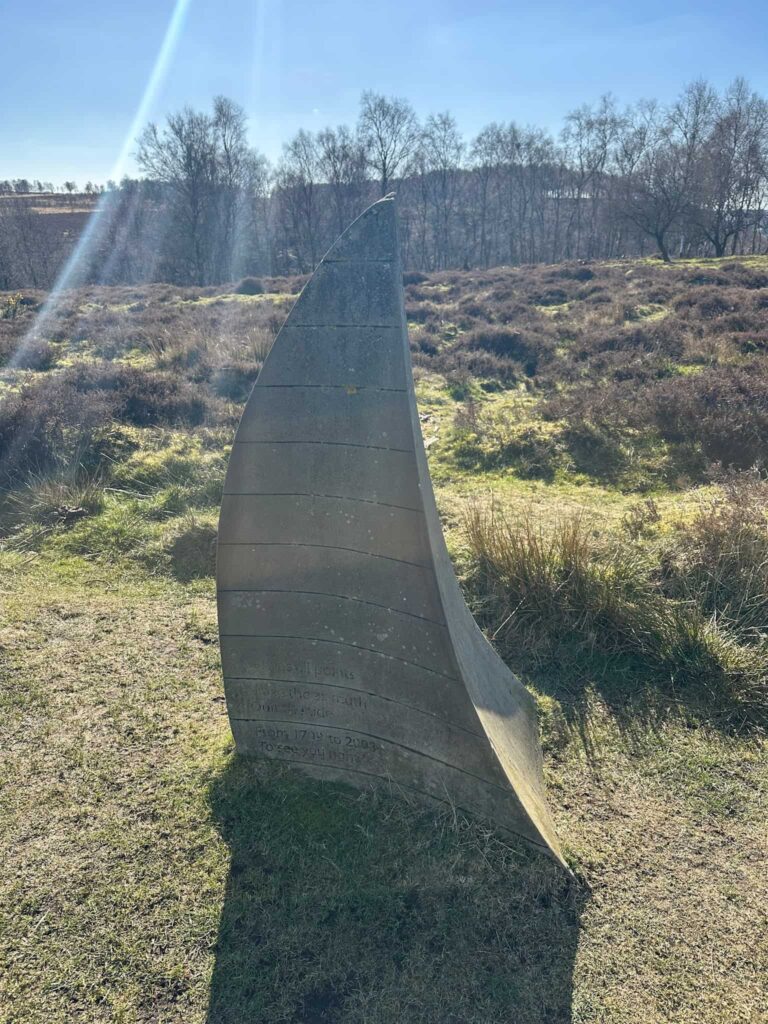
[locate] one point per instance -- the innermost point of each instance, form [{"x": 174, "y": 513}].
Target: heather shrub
[
  {"x": 12, "y": 337},
  {"x": 572, "y": 272},
  {"x": 42, "y": 428},
  {"x": 35, "y": 354},
  {"x": 752, "y": 343},
  {"x": 250, "y": 286},
  {"x": 471, "y": 309},
  {"x": 595, "y": 449},
  {"x": 709, "y": 302},
  {"x": 744, "y": 276},
  {"x": 664, "y": 336},
  {"x": 723, "y": 410},
  {"x": 707, "y": 276},
  {"x": 420, "y": 312},
  {"x": 479, "y": 363},
  {"x": 66, "y": 419},
  {"x": 549, "y": 297},
  {"x": 137, "y": 396},
  {"x": 742, "y": 320},
  {"x": 595, "y": 294},
  {"x": 421, "y": 345},
  {"x": 511, "y": 312},
  {"x": 414, "y": 277},
  {"x": 510, "y": 344}
]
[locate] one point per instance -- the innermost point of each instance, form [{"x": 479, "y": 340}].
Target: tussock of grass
[
  {"x": 561, "y": 596},
  {"x": 721, "y": 558},
  {"x": 192, "y": 549}
]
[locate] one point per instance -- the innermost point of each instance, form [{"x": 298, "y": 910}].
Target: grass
[
  {"x": 575, "y": 607},
  {"x": 151, "y": 875}
]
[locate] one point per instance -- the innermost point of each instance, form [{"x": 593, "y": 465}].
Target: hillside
[{"x": 598, "y": 436}]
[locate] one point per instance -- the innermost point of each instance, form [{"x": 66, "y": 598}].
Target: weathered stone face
[{"x": 347, "y": 647}]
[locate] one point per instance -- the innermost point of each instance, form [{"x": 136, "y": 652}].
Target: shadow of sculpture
[{"x": 343, "y": 906}]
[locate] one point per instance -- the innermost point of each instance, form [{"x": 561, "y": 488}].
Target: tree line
[
  {"x": 680, "y": 179},
  {"x": 24, "y": 186}
]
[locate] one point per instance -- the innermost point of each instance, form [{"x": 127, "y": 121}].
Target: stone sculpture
[{"x": 346, "y": 643}]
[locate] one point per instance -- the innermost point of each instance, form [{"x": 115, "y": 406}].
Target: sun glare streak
[{"x": 81, "y": 251}]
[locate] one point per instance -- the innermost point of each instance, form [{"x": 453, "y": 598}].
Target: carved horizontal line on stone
[
  {"x": 380, "y": 739},
  {"x": 356, "y": 326},
  {"x": 329, "y": 547},
  {"x": 325, "y": 593},
  {"x": 336, "y": 643},
  {"x": 359, "y": 259},
  {"x": 315, "y": 494},
  {"x": 348, "y": 388},
  {"x": 336, "y": 444},
  {"x": 351, "y": 689},
  {"x": 412, "y": 789},
  {"x": 376, "y": 327}
]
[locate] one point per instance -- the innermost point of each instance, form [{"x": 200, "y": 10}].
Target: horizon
[{"x": 493, "y": 62}]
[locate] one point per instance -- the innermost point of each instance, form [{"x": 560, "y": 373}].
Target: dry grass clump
[
  {"x": 720, "y": 558},
  {"x": 597, "y": 607},
  {"x": 48, "y": 502},
  {"x": 192, "y": 549},
  {"x": 487, "y": 440}
]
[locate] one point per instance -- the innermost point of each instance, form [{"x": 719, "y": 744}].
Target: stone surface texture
[{"x": 346, "y": 643}]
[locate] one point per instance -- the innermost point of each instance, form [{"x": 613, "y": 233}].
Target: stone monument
[{"x": 346, "y": 644}]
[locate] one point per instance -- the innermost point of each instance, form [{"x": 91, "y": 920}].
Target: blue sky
[{"x": 73, "y": 75}]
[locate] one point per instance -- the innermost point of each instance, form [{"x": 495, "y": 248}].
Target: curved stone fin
[{"x": 347, "y": 647}]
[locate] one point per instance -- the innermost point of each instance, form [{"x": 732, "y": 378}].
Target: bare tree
[
  {"x": 390, "y": 132},
  {"x": 183, "y": 156},
  {"x": 443, "y": 150},
  {"x": 689, "y": 178},
  {"x": 31, "y": 250},
  {"x": 210, "y": 172},
  {"x": 658, "y": 158},
  {"x": 486, "y": 163},
  {"x": 343, "y": 164},
  {"x": 588, "y": 139},
  {"x": 732, "y": 168},
  {"x": 298, "y": 179}
]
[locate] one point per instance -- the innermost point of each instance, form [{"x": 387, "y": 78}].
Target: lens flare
[{"x": 84, "y": 246}]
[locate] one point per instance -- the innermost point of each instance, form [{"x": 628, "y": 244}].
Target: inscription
[
  {"x": 348, "y": 700},
  {"x": 311, "y": 670},
  {"x": 307, "y": 744},
  {"x": 323, "y": 706}
]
